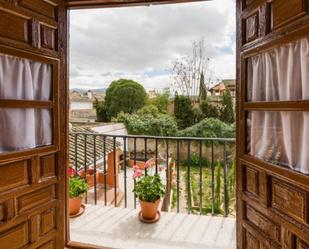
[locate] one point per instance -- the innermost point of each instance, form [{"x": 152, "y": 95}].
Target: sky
[{"x": 140, "y": 43}]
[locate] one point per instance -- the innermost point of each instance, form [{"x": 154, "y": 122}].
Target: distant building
[
  {"x": 231, "y": 85},
  {"x": 220, "y": 88},
  {"x": 152, "y": 94},
  {"x": 81, "y": 102},
  {"x": 81, "y": 106}
]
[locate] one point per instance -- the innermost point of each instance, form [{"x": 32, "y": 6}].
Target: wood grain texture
[
  {"x": 36, "y": 30},
  {"x": 289, "y": 200},
  {"x": 36, "y": 198},
  {"x": 14, "y": 175},
  {"x": 283, "y": 12},
  {"x": 263, "y": 224},
  {"x": 272, "y": 208},
  {"x": 15, "y": 238},
  {"x": 14, "y": 26},
  {"x": 251, "y": 27},
  {"x": 252, "y": 181},
  {"x": 120, "y": 3},
  {"x": 48, "y": 37},
  {"x": 47, "y": 166},
  {"x": 40, "y": 6}
]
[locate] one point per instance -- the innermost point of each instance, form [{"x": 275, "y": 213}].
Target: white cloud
[{"x": 106, "y": 44}]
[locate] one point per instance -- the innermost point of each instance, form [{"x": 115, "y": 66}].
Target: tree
[
  {"x": 161, "y": 101},
  {"x": 189, "y": 70},
  {"x": 183, "y": 111},
  {"x": 227, "y": 114},
  {"x": 124, "y": 95},
  {"x": 149, "y": 109},
  {"x": 210, "y": 110},
  {"x": 203, "y": 90},
  {"x": 101, "y": 111}
]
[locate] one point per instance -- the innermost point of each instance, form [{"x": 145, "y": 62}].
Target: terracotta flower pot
[
  {"x": 82, "y": 174},
  {"x": 149, "y": 209},
  {"x": 74, "y": 205}
]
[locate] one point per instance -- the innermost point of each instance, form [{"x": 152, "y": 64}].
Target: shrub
[
  {"x": 147, "y": 124},
  {"x": 124, "y": 95},
  {"x": 148, "y": 109},
  {"x": 198, "y": 114},
  {"x": 195, "y": 161},
  {"x": 210, "y": 110},
  {"x": 161, "y": 101},
  {"x": 183, "y": 111},
  {"x": 209, "y": 127}
]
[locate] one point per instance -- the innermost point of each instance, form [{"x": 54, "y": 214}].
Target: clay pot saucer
[
  {"x": 81, "y": 211},
  {"x": 140, "y": 216}
]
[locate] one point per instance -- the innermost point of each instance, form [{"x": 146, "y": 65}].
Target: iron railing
[{"x": 178, "y": 150}]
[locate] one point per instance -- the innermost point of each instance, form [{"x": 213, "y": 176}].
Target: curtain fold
[
  {"x": 281, "y": 74},
  {"x": 23, "y": 79}
]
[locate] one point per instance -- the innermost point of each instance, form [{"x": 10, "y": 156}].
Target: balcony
[
  {"x": 198, "y": 210},
  {"x": 120, "y": 228}
]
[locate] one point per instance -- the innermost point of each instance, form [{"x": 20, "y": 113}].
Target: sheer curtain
[
  {"x": 281, "y": 74},
  {"x": 22, "y": 79}
]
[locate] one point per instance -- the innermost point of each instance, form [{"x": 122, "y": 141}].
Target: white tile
[{"x": 120, "y": 228}]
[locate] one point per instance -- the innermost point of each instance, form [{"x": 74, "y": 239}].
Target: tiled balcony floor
[{"x": 120, "y": 228}]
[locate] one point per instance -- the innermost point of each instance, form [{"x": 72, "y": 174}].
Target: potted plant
[
  {"x": 149, "y": 189},
  {"x": 77, "y": 189}
]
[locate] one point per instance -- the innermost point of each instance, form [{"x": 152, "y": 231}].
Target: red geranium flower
[{"x": 71, "y": 172}]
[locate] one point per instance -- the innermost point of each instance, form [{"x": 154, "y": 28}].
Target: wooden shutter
[
  {"x": 32, "y": 181},
  {"x": 272, "y": 199}
]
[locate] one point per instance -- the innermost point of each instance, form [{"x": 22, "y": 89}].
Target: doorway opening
[{"x": 142, "y": 79}]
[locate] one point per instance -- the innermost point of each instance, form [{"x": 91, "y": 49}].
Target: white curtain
[
  {"x": 23, "y": 79},
  {"x": 281, "y": 74}
]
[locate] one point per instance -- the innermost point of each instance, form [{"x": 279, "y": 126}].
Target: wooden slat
[
  {"x": 26, "y": 104},
  {"x": 120, "y": 3},
  {"x": 301, "y": 105},
  {"x": 286, "y": 174}
]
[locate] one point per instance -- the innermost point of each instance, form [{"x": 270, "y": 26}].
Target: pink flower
[
  {"x": 135, "y": 167},
  {"x": 147, "y": 164},
  {"x": 161, "y": 168},
  {"x": 137, "y": 173}
]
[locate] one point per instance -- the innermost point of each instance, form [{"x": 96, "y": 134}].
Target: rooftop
[{"x": 91, "y": 153}]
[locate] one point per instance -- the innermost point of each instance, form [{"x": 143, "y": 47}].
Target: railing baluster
[
  {"x": 95, "y": 168},
  {"x": 105, "y": 176},
  {"x": 115, "y": 175},
  {"x": 225, "y": 186},
  {"x": 201, "y": 178},
  {"x": 134, "y": 164},
  {"x": 168, "y": 179},
  {"x": 156, "y": 155},
  {"x": 178, "y": 178},
  {"x": 145, "y": 156},
  {"x": 85, "y": 162},
  {"x": 189, "y": 183},
  {"x": 212, "y": 179},
  {"x": 125, "y": 170},
  {"x": 75, "y": 157}
]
